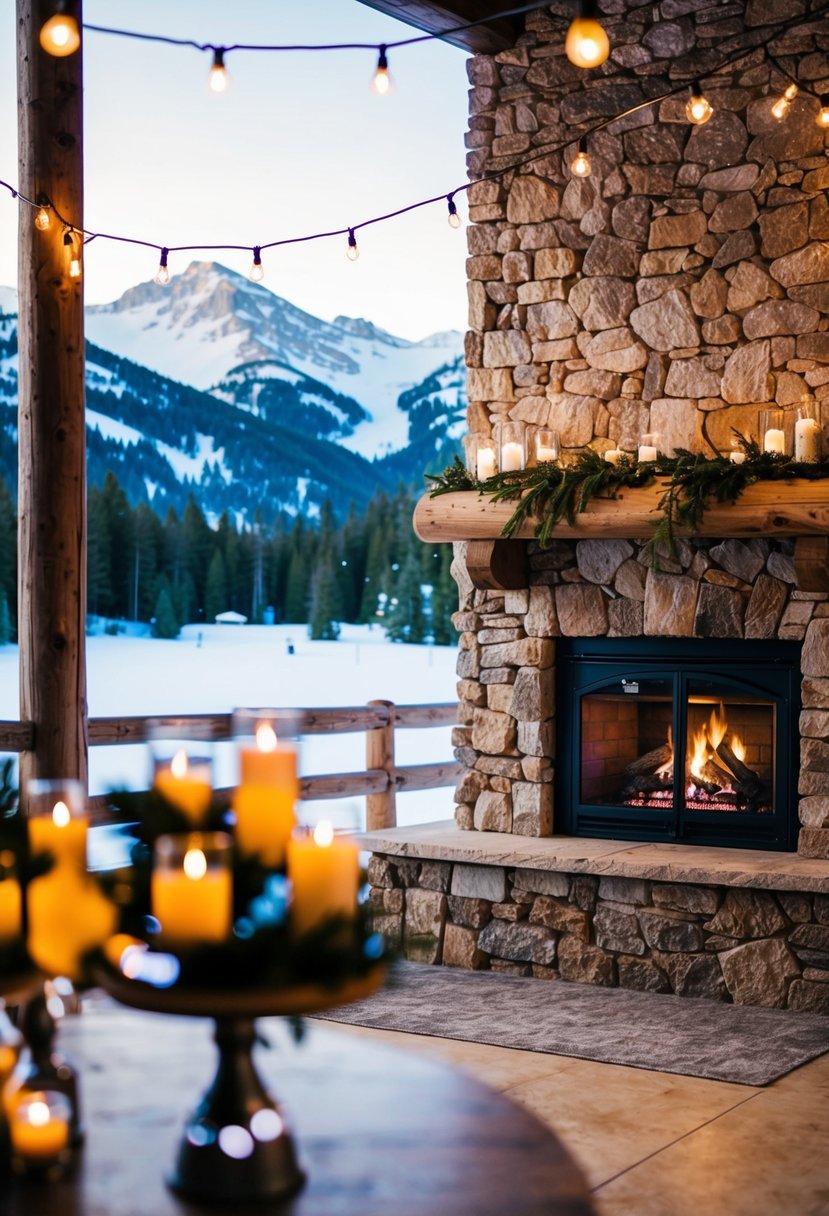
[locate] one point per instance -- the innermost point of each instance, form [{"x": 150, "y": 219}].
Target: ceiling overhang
[{"x": 436, "y": 16}]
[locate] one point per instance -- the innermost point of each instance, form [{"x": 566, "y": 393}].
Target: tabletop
[{"x": 381, "y": 1132}]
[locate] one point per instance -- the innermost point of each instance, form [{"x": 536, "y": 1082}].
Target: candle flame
[
  {"x": 266, "y": 739},
  {"x": 38, "y": 1114},
  {"x": 178, "y": 765},
  {"x": 194, "y": 864},
  {"x": 323, "y": 834},
  {"x": 61, "y": 815}
]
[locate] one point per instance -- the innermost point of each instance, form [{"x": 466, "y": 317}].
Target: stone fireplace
[{"x": 680, "y": 288}]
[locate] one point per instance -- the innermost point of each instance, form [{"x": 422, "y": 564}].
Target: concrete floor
[{"x": 655, "y": 1144}]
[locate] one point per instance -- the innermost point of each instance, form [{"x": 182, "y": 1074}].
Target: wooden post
[
  {"x": 52, "y": 436},
  {"x": 381, "y": 809}
]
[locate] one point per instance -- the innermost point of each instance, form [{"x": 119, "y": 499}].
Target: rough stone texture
[
  {"x": 460, "y": 948},
  {"x": 479, "y": 882},
  {"x": 581, "y": 610},
  {"x": 666, "y": 323},
  {"x": 748, "y": 914},
  {"x": 598, "y": 560},
  {"x": 758, "y": 972},
  {"x": 670, "y": 604},
  {"x": 519, "y": 942}
]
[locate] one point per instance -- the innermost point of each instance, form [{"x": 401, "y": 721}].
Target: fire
[{"x": 706, "y": 740}]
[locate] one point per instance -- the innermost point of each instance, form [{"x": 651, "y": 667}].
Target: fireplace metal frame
[{"x": 585, "y": 665}]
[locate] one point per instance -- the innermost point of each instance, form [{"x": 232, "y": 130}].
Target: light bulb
[
  {"x": 454, "y": 218},
  {"x": 218, "y": 79},
  {"x": 75, "y": 268},
  {"x": 60, "y": 36},
  {"x": 586, "y": 44},
  {"x": 256, "y": 273},
  {"x": 42, "y": 220},
  {"x": 822, "y": 119},
  {"x": 783, "y": 104},
  {"x": 580, "y": 165},
  {"x": 162, "y": 275},
  {"x": 698, "y": 109},
  {"x": 74, "y": 260},
  {"x": 381, "y": 80},
  {"x": 352, "y": 252}
]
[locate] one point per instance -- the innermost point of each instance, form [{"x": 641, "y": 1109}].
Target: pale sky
[{"x": 299, "y": 144}]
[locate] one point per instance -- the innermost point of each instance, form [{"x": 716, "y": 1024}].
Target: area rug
[{"x": 694, "y": 1037}]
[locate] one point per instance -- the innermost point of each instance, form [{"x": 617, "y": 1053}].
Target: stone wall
[
  {"x": 684, "y": 283},
  {"x": 752, "y": 947}
]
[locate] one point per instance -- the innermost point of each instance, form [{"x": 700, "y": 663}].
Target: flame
[
  {"x": 738, "y": 747},
  {"x": 265, "y": 737},
  {"x": 700, "y": 753},
  {"x": 323, "y": 834},
  {"x": 178, "y": 765},
  {"x": 194, "y": 864},
  {"x": 706, "y": 740},
  {"x": 61, "y": 815}
]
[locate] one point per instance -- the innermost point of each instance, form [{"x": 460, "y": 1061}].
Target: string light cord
[
  {"x": 490, "y": 175},
  {"x": 331, "y": 46}
]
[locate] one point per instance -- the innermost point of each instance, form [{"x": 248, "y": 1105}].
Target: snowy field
[{"x": 214, "y": 668}]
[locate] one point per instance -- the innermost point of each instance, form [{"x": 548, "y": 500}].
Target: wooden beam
[
  {"x": 497, "y": 565},
  {"x": 435, "y": 16},
  {"x": 767, "y": 508},
  {"x": 52, "y": 436}
]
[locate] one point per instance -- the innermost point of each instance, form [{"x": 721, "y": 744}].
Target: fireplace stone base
[{"x": 740, "y": 926}]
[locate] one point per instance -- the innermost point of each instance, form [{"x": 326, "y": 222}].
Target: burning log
[
  {"x": 748, "y": 784},
  {"x": 649, "y": 783},
  {"x": 651, "y": 761}
]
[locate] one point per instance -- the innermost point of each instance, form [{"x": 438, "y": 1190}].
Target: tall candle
[
  {"x": 774, "y": 441},
  {"x": 264, "y": 802},
  {"x": 807, "y": 440},
  {"x": 646, "y": 453},
  {"x": 190, "y": 897},
  {"x": 186, "y": 784},
  {"x": 512, "y": 457},
  {"x": 324, "y": 873},
  {"x": 485, "y": 464}
]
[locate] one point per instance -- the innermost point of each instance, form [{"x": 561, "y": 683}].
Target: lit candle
[
  {"x": 39, "y": 1125},
  {"x": 737, "y": 456},
  {"x": 512, "y": 457},
  {"x": 807, "y": 440},
  {"x": 11, "y": 906},
  {"x": 647, "y": 453},
  {"x": 61, "y": 832},
  {"x": 614, "y": 455},
  {"x": 324, "y": 872},
  {"x": 268, "y": 790},
  {"x": 774, "y": 440},
  {"x": 192, "y": 887},
  {"x": 186, "y": 784},
  {"x": 546, "y": 455},
  {"x": 485, "y": 464},
  {"x": 68, "y": 915}
]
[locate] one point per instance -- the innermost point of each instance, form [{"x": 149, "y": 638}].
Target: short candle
[
  {"x": 613, "y": 455},
  {"x": 186, "y": 785},
  {"x": 191, "y": 899},
  {"x": 324, "y": 871},
  {"x": 485, "y": 464},
  {"x": 737, "y": 456},
  {"x": 60, "y": 833},
  {"x": 39, "y": 1128},
  {"x": 774, "y": 441},
  {"x": 512, "y": 457},
  {"x": 807, "y": 440},
  {"x": 647, "y": 453}
]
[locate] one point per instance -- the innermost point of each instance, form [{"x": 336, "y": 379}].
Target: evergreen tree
[
  {"x": 324, "y": 609},
  {"x": 5, "y": 621},
  {"x": 444, "y": 600},
  {"x": 216, "y": 599},
  {"x": 165, "y": 624},
  {"x": 405, "y": 621},
  {"x": 197, "y": 549},
  {"x": 8, "y": 551}
]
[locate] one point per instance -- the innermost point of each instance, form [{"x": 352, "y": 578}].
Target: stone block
[
  {"x": 585, "y": 964},
  {"x": 380, "y": 872},
  {"x": 479, "y": 882},
  {"x": 532, "y": 695},
  {"x": 808, "y": 997},
  {"x": 460, "y": 949},
  {"x": 581, "y": 609},
  {"x": 492, "y": 732},
  {"x": 435, "y": 875},
  {"x": 682, "y": 898},
  {"x": 556, "y": 263},
  {"x": 745, "y": 378},
  {"x": 813, "y": 842},
  {"x": 518, "y": 942},
  {"x": 813, "y": 812},
  {"x": 618, "y": 930},
  {"x": 541, "y": 882},
  {"x": 747, "y": 913},
  {"x": 508, "y": 348},
  {"x": 670, "y": 604},
  {"x": 616, "y": 350},
  {"x": 541, "y": 620},
  {"x": 671, "y": 230},
  {"x": 807, "y": 265},
  {"x": 532, "y": 808},
  {"x": 758, "y": 973},
  {"x": 765, "y": 607},
  {"x": 469, "y": 911},
  {"x": 425, "y": 912},
  {"x": 535, "y": 738},
  {"x": 641, "y": 975},
  {"x": 624, "y": 890},
  {"x": 695, "y": 975},
  {"x": 510, "y": 911},
  {"x": 666, "y": 323},
  {"x": 598, "y": 560},
  {"x": 493, "y": 812},
  {"x": 532, "y": 200},
  {"x": 814, "y": 658},
  {"x": 719, "y": 612},
  {"x": 670, "y": 933}
]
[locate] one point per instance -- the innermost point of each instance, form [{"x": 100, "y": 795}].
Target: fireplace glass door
[{"x": 697, "y": 745}]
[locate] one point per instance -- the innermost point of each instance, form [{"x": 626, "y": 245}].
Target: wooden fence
[{"x": 380, "y": 781}]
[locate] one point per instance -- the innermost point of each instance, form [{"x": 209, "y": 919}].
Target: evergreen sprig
[{"x": 551, "y": 493}]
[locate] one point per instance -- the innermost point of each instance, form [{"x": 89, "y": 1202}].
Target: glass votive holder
[
  {"x": 181, "y": 757},
  {"x": 480, "y": 455},
  {"x": 613, "y": 456},
  {"x": 58, "y": 820},
  {"x": 512, "y": 445},
  {"x": 773, "y": 429},
  {"x": 11, "y": 1044},
  {"x": 547, "y": 446},
  {"x": 39, "y": 1130},
  {"x": 11, "y": 902},
  {"x": 268, "y": 781},
  {"x": 737, "y": 454},
  {"x": 191, "y": 889},
  {"x": 808, "y": 433},
  {"x": 649, "y": 446}
]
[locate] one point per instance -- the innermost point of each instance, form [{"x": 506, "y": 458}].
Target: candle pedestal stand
[
  {"x": 235, "y": 1147},
  {"x": 48, "y": 1070}
]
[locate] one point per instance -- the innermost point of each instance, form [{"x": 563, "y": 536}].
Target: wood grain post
[
  {"x": 52, "y": 437},
  {"x": 381, "y": 809}
]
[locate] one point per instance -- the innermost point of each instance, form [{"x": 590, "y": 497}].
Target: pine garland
[{"x": 551, "y": 493}]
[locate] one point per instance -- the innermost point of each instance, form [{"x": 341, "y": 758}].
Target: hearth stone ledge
[{"x": 744, "y": 926}]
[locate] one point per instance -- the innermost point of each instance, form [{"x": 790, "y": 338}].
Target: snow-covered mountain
[{"x": 209, "y": 322}]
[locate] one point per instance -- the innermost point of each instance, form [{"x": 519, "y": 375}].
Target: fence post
[{"x": 381, "y": 809}]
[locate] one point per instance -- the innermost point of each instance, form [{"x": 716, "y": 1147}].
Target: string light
[
  {"x": 454, "y": 218},
  {"x": 580, "y": 165},
  {"x": 60, "y": 35},
  {"x": 352, "y": 252},
  {"x": 381, "y": 82},
  {"x": 586, "y": 44},
  {"x": 822, "y": 119},
  {"x": 218, "y": 79},
  {"x": 42, "y": 219},
  {"x": 162, "y": 275},
  {"x": 74, "y": 260},
  {"x": 256, "y": 273},
  {"x": 698, "y": 108},
  {"x": 783, "y": 104}
]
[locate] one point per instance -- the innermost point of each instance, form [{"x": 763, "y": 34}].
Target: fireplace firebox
[{"x": 679, "y": 740}]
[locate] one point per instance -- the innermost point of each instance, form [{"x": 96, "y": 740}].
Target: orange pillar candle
[
  {"x": 186, "y": 783},
  {"x": 268, "y": 790},
  {"x": 39, "y": 1125},
  {"x": 11, "y": 900},
  {"x": 58, "y": 823},
  {"x": 324, "y": 871},
  {"x": 192, "y": 887}
]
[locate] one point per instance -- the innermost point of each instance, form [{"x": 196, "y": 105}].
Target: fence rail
[{"x": 380, "y": 780}]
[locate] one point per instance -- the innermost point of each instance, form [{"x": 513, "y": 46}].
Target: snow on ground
[{"x": 214, "y": 668}]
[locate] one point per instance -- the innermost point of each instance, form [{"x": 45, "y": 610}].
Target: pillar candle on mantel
[
  {"x": 808, "y": 437},
  {"x": 324, "y": 871},
  {"x": 265, "y": 798},
  {"x": 774, "y": 435},
  {"x": 512, "y": 441},
  {"x": 192, "y": 887}
]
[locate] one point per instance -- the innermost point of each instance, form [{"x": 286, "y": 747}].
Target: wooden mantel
[{"x": 795, "y": 508}]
